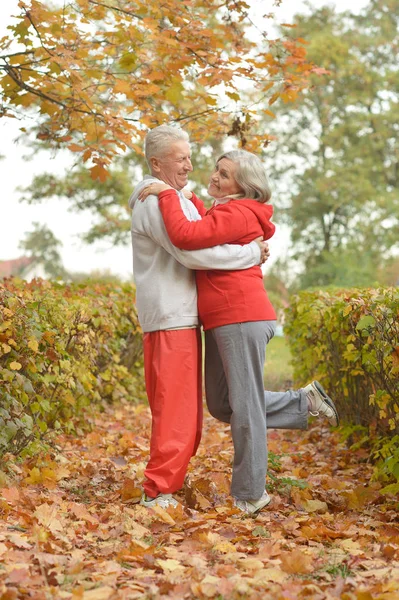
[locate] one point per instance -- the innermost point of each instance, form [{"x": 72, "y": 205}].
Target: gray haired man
[{"x": 167, "y": 309}]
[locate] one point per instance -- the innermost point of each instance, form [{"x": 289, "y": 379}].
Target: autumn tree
[
  {"x": 107, "y": 201},
  {"x": 335, "y": 165},
  {"x": 95, "y": 75}
]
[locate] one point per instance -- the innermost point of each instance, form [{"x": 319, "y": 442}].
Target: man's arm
[{"x": 227, "y": 257}]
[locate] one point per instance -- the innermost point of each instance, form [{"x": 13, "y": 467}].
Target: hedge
[
  {"x": 349, "y": 340},
  {"x": 63, "y": 348}
]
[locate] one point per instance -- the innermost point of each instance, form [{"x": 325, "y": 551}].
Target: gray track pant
[{"x": 234, "y": 370}]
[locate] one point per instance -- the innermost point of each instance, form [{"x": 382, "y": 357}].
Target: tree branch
[
  {"x": 115, "y": 8},
  {"x": 17, "y": 54},
  {"x": 27, "y": 13},
  {"x": 44, "y": 96}
]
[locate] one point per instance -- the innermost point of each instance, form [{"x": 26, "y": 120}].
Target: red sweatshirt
[{"x": 224, "y": 297}]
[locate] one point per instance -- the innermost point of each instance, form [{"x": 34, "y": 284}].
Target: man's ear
[{"x": 155, "y": 166}]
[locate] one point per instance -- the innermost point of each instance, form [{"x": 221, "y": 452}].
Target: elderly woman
[{"x": 239, "y": 321}]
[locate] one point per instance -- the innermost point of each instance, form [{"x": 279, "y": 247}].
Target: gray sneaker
[
  {"x": 251, "y": 507},
  {"x": 162, "y": 500},
  {"x": 320, "y": 403}
]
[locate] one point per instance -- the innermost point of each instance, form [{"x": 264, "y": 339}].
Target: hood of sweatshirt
[
  {"x": 263, "y": 212},
  {"x": 146, "y": 181}
]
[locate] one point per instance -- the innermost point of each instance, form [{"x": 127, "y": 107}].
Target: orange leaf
[
  {"x": 296, "y": 562},
  {"x": 98, "y": 172},
  {"x": 130, "y": 490},
  {"x": 75, "y": 148}
]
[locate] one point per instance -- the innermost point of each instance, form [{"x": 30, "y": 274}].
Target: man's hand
[
  {"x": 264, "y": 249},
  {"x": 153, "y": 190}
]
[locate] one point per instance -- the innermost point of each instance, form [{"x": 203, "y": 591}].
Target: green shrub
[
  {"x": 63, "y": 348},
  {"x": 349, "y": 340}
]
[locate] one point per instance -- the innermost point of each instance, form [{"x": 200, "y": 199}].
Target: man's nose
[{"x": 188, "y": 165}]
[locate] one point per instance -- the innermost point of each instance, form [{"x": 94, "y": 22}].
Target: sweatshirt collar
[{"x": 227, "y": 199}]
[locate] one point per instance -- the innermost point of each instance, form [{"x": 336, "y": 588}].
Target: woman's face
[{"x": 222, "y": 182}]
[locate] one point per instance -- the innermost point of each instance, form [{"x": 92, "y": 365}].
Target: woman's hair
[
  {"x": 159, "y": 139},
  {"x": 250, "y": 174}
]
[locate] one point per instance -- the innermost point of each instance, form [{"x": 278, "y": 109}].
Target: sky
[{"x": 18, "y": 168}]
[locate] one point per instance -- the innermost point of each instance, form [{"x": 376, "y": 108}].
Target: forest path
[{"x": 72, "y": 527}]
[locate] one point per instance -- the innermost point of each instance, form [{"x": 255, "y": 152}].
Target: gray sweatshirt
[{"x": 166, "y": 293}]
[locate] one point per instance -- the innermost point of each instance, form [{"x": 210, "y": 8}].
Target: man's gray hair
[
  {"x": 159, "y": 140},
  {"x": 250, "y": 174}
]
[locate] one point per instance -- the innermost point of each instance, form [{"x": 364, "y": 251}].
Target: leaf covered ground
[{"x": 72, "y": 528}]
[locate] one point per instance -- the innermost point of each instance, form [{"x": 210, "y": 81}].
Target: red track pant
[{"x": 173, "y": 377}]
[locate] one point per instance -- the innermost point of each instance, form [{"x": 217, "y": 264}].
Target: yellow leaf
[
  {"x": 174, "y": 93},
  {"x": 33, "y": 345},
  {"x": 48, "y": 517},
  {"x": 273, "y": 98},
  {"x": 233, "y": 96},
  {"x": 6, "y": 348},
  {"x": 169, "y": 565},
  {"x": 128, "y": 61},
  {"x": 272, "y": 574},
  {"x": 225, "y": 547},
  {"x": 352, "y": 547},
  {"x": 163, "y": 515},
  {"x": 122, "y": 87},
  {"x": 15, "y": 366},
  {"x": 102, "y": 593},
  {"x": 250, "y": 564},
  {"x": 315, "y": 506}
]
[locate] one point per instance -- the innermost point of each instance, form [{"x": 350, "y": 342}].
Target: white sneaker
[
  {"x": 320, "y": 403},
  {"x": 162, "y": 500},
  {"x": 253, "y": 506}
]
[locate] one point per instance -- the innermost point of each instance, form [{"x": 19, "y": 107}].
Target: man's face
[{"x": 173, "y": 168}]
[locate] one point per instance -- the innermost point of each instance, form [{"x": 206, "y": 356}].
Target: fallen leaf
[
  {"x": 82, "y": 513},
  {"x": 315, "y": 506},
  {"x": 12, "y": 495},
  {"x": 102, "y": 593},
  {"x": 352, "y": 547},
  {"x": 296, "y": 562},
  {"x": 271, "y": 574},
  {"x": 48, "y": 517},
  {"x": 169, "y": 565},
  {"x": 18, "y": 576},
  {"x": 130, "y": 490}
]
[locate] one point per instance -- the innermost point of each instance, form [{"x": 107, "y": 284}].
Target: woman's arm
[
  {"x": 199, "y": 205},
  {"x": 217, "y": 227},
  {"x": 156, "y": 188}
]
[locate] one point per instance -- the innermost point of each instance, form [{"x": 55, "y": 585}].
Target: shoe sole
[
  {"x": 262, "y": 507},
  {"x": 255, "y": 512},
  {"x": 327, "y": 399}
]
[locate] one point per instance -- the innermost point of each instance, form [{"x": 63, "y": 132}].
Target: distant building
[{"x": 24, "y": 267}]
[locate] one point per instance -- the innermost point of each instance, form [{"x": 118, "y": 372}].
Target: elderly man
[{"x": 167, "y": 310}]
